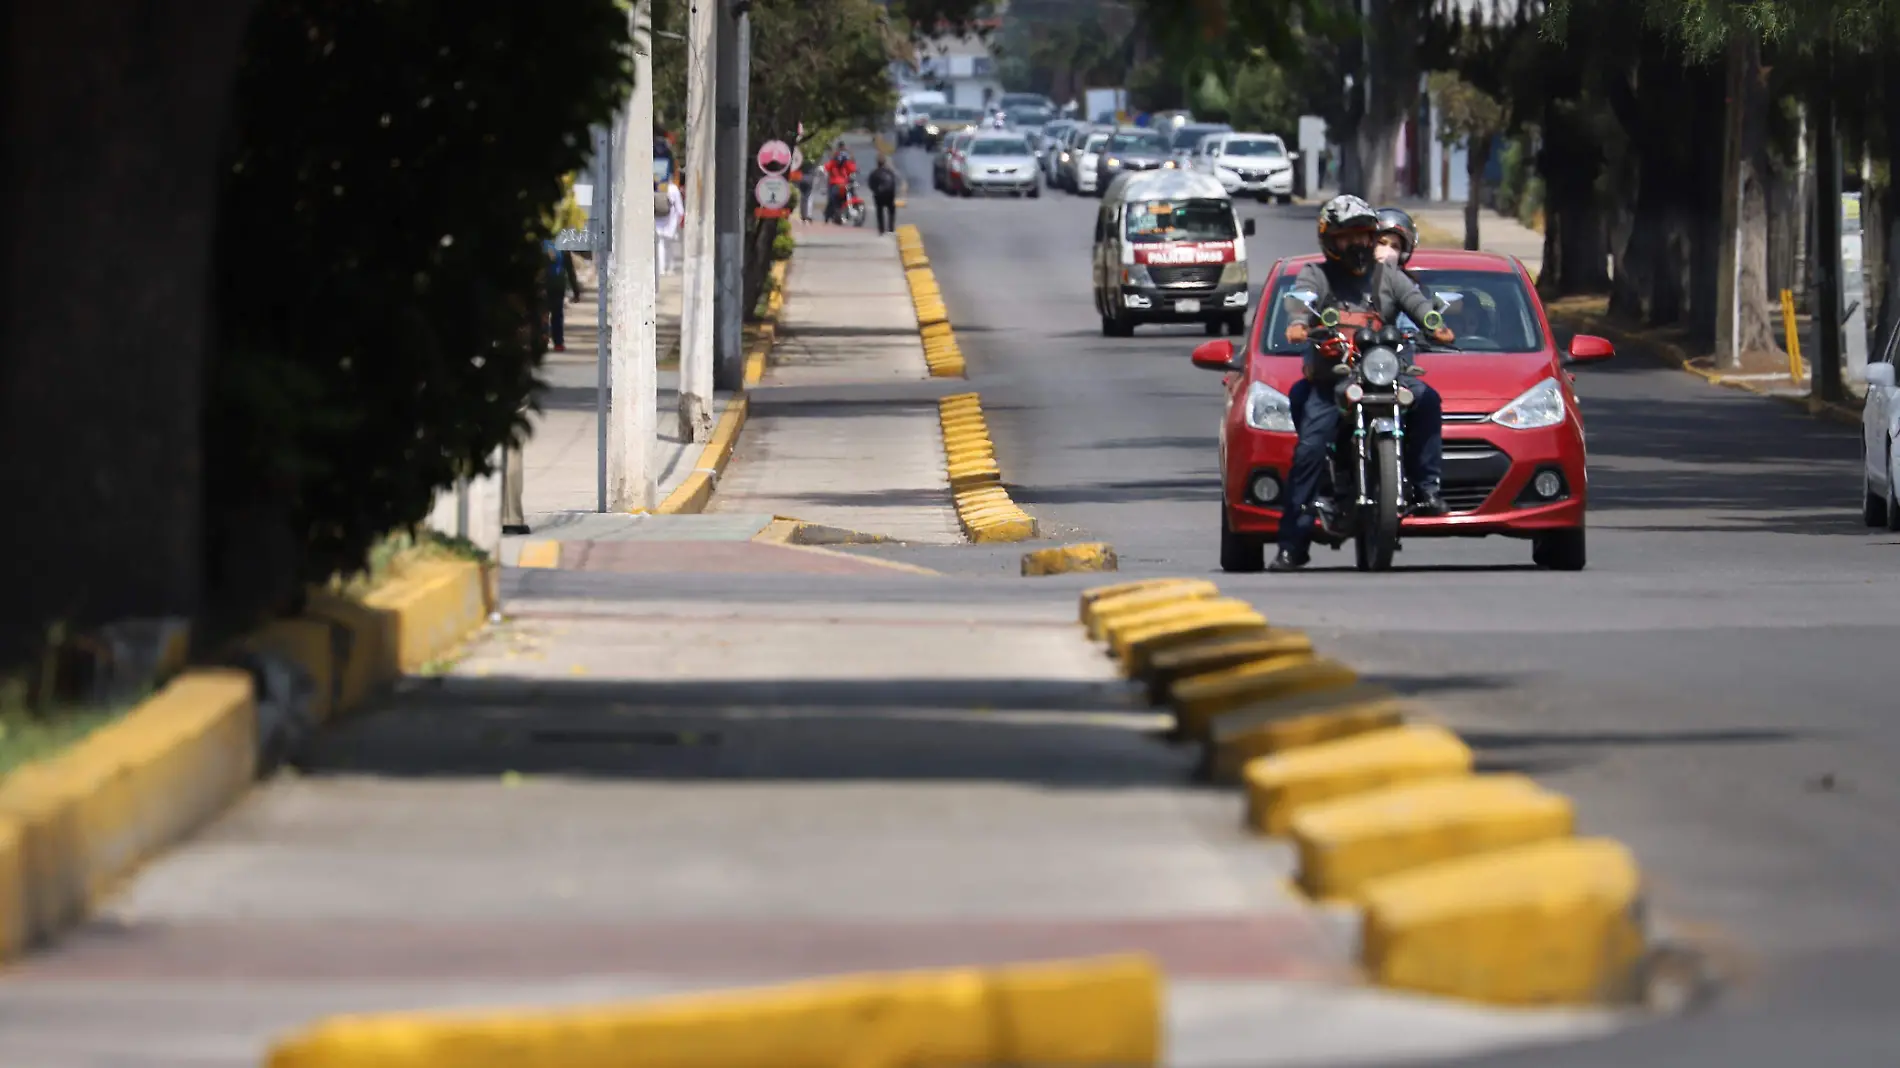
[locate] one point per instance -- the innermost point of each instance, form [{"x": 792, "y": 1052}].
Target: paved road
[{"x": 1716, "y": 689}]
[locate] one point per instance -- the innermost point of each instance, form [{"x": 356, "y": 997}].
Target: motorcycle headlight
[
  {"x": 1269, "y": 409},
  {"x": 1381, "y": 367},
  {"x": 1540, "y": 406},
  {"x": 1233, "y": 274}
]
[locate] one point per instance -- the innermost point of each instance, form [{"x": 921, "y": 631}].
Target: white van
[
  {"x": 1170, "y": 248},
  {"x": 911, "y": 110}
]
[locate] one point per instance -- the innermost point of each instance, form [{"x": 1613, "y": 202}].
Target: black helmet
[
  {"x": 1396, "y": 221},
  {"x": 1346, "y": 215}
]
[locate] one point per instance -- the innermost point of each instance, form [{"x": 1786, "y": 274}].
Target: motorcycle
[
  {"x": 853, "y": 203},
  {"x": 1368, "y": 498}
]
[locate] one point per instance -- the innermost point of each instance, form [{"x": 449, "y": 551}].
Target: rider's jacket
[{"x": 1383, "y": 289}]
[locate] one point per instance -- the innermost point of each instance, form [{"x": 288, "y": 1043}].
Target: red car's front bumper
[{"x": 1489, "y": 471}]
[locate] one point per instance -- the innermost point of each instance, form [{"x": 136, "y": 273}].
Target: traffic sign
[
  {"x": 775, "y": 157},
  {"x": 774, "y": 194}
]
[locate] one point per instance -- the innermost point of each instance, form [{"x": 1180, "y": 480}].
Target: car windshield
[
  {"x": 1028, "y": 117},
  {"x": 1253, "y": 147},
  {"x": 957, "y": 114},
  {"x": 1189, "y": 136},
  {"x": 999, "y": 146},
  {"x": 1136, "y": 141},
  {"x": 1200, "y": 219},
  {"x": 1095, "y": 143},
  {"x": 1489, "y": 311}
]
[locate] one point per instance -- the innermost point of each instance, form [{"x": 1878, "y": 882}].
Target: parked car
[
  {"x": 1000, "y": 163},
  {"x": 941, "y": 172},
  {"x": 1880, "y": 427},
  {"x": 1514, "y": 440},
  {"x": 1247, "y": 164},
  {"x": 1130, "y": 148}
]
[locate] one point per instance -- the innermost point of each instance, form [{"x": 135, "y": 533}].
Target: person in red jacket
[{"x": 838, "y": 171}]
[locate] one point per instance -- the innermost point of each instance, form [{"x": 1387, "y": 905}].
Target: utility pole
[
  {"x": 601, "y": 222},
  {"x": 633, "y": 312},
  {"x": 702, "y": 183},
  {"x": 1827, "y": 242},
  {"x": 729, "y": 325}
]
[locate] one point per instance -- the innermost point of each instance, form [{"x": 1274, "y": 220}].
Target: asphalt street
[{"x": 1716, "y": 689}]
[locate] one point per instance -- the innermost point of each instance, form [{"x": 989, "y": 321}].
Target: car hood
[
  {"x": 1483, "y": 381},
  {"x": 1144, "y": 155},
  {"x": 1002, "y": 161},
  {"x": 1255, "y": 163}
]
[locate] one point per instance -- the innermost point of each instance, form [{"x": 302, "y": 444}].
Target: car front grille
[
  {"x": 1473, "y": 470},
  {"x": 1197, "y": 277}
]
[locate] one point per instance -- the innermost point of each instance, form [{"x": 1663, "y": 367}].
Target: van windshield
[{"x": 1201, "y": 219}]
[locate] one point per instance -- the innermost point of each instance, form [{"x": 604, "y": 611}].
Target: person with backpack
[
  {"x": 883, "y": 183},
  {"x": 669, "y": 214},
  {"x": 559, "y": 277},
  {"x": 806, "y": 177}
]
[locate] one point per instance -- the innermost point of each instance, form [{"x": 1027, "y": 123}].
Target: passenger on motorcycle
[
  {"x": 1425, "y": 419},
  {"x": 1350, "y": 276}
]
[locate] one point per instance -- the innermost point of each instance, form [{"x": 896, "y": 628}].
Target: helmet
[
  {"x": 1346, "y": 215},
  {"x": 1395, "y": 221}
]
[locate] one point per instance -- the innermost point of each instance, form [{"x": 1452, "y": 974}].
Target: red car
[{"x": 1514, "y": 442}]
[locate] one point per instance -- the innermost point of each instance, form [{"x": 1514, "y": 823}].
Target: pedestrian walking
[
  {"x": 669, "y": 214},
  {"x": 559, "y": 277},
  {"x": 883, "y": 183},
  {"x": 806, "y": 175}
]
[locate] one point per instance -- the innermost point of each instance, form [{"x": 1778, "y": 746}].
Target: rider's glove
[
  {"x": 1296, "y": 333},
  {"x": 1443, "y": 335}
]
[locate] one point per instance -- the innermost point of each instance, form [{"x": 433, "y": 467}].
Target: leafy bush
[
  {"x": 783, "y": 244},
  {"x": 395, "y": 167}
]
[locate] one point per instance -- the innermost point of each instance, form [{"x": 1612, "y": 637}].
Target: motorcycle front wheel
[{"x": 1378, "y": 536}]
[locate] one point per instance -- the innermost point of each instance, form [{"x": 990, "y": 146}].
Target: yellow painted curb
[
  {"x": 1089, "y": 556},
  {"x": 1556, "y": 923},
  {"x": 1117, "y": 629},
  {"x": 73, "y": 825},
  {"x": 540, "y": 554},
  {"x": 1346, "y": 844},
  {"x": 1003, "y": 530},
  {"x": 1279, "y": 786},
  {"x": 1197, "y": 701},
  {"x": 1141, "y": 597},
  {"x": 1082, "y": 1013},
  {"x": 1096, "y": 594},
  {"x": 1201, "y": 658},
  {"x": 1142, "y": 653},
  {"x": 692, "y": 495},
  {"x": 1269, "y": 727},
  {"x": 436, "y": 603},
  {"x": 311, "y": 645},
  {"x": 1179, "y": 629}
]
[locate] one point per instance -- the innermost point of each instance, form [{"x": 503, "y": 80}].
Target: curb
[
  {"x": 691, "y": 496},
  {"x": 1678, "y": 357},
  {"x": 1104, "y": 1012},
  {"x": 73, "y": 826},
  {"x": 1467, "y": 884},
  {"x": 984, "y": 508},
  {"x": 941, "y": 352},
  {"x": 1065, "y": 559}
]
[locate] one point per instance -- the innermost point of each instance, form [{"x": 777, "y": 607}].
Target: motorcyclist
[
  {"x": 1352, "y": 276},
  {"x": 1425, "y": 419},
  {"x": 839, "y": 170}
]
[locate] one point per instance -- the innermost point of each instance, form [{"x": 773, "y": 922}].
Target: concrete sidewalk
[{"x": 843, "y": 431}]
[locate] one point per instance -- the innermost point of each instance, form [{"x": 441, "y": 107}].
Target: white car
[
  {"x": 1000, "y": 163},
  {"x": 1880, "y": 428},
  {"x": 1085, "y": 163},
  {"x": 1247, "y": 164}
]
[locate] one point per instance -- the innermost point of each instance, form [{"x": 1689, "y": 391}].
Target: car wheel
[
  {"x": 1237, "y": 325},
  {"x": 1035, "y": 192},
  {"x": 1240, "y": 553},
  {"x": 1286, "y": 198},
  {"x": 1873, "y": 509},
  {"x": 1213, "y": 327},
  {"x": 1560, "y": 550}
]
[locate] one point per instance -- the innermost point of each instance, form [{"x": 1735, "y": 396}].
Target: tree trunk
[
  {"x": 1576, "y": 240},
  {"x": 111, "y": 121},
  {"x": 1477, "y": 154},
  {"x": 1743, "y": 324}
]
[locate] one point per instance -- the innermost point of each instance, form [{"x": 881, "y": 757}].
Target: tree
[{"x": 1469, "y": 116}]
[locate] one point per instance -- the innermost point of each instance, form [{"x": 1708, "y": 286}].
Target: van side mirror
[
  {"x": 1246, "y": 228},
  {"x": 1588, "y": 348},
  {"x": 1880, "y": 375}
]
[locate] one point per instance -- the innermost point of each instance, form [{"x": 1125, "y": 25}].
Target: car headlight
[
  {"x": 1136, "y": 274},
  {"x": 1113, "y": 162},
  {"x": 1234, "y": 274},
  {"x": 1380, "y": 367},
  {"x": 1540, "y": 406},
  {"x": 932, "y": 130},
  {"x": 1269, "y": 409}
]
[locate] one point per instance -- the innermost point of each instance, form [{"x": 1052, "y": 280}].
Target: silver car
[
  {"x": 1080, "y": 169},
  {"x": 1001, "y": 163}
]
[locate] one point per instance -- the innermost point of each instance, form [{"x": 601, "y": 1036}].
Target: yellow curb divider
[
  {"x": 984, "y": 508},
  {"x": 1104, "y": 1012},
  {"x": 942, "y": 355},
  {"x": 1470, "y": 886},
  {"x": 74, "y": 825},
  {"x": 1088, "y": 556},
  {"x": 692, "y": 495},
  {"x": 539, "y": 554}
]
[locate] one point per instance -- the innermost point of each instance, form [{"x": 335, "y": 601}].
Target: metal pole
[
  {"x": 633, "y": 304},
  {"x": 602, "y": 223},
  {"x": 729, "y": 317},
  {"x": 1826, "y": 371},
  {"x": 696, "y": 333}
]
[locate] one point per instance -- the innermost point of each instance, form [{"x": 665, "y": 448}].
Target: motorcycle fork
[{"x": 1359, "y": 450}]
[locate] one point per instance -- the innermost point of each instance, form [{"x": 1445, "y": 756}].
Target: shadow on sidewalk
[{"x": 917, "y": 729}]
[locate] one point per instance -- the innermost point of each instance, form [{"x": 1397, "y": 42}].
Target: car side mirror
[
  {"x": 1588, "y": 348},
  {"x": 1880, "y": 375},
  {"x": 1246, "y": 228},
  {"x": 1215, "y": 356}
]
